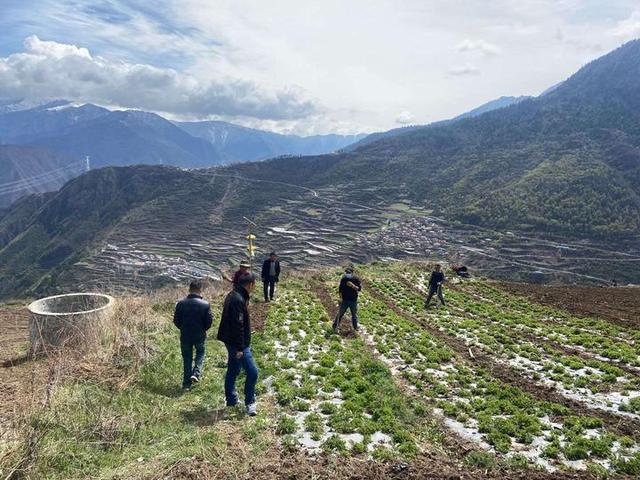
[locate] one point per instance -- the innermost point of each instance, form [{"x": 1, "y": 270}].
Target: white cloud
[
  {"x": 485, "y": 48},
  {"x": 464, "y": 70},
  {"x": 405, "y": 117},
  {"x": 629, "y": 28},
  {"x": 54, "y": 70},
  {"x": 243, "y": 56}
]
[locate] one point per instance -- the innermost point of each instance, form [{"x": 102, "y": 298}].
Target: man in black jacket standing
[
  {"x": 193, "y": 317},
  {"x": 435, "y": 285},
  {"x": 270, "y": 275},
  {"x": 235, "y": 333},
  {"x": 349, "y": 287}
]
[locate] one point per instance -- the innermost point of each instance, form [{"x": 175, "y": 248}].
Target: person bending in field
[
  {"x": 348, "y": 289},
  {"x": 243, "y": 270},
  {"x": 235, "y": 333},
  {"x": 270, "y": 275},
  {"x": 435, "y": 285},
  {"x": 193, "y": 317}
]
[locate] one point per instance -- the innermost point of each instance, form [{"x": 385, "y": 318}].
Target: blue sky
[{"x": 303, "y": 66}]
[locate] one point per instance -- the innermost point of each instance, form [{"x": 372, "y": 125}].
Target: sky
[{"x": 305, "y": 67}]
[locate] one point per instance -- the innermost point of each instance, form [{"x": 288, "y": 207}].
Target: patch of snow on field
[
  {"x": 468, "y": 432},
  {"x": 608, "y": 401}
]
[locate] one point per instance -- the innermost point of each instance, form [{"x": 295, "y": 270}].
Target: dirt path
[
  {"x": 279, "y": 464},
  {"x": 615, "y": 423},
  {"x": 258, "y": 310},
  {"x": 619, "y": 305}
]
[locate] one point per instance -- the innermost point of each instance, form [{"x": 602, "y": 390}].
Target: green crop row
[
  {"x": 595, "y": 336},
  {"x": 328, "y": 389},
  {"x": 503, "y": 415},
  {"x": 490, "y": 334}
]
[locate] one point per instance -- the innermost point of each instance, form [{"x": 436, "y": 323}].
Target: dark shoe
[
  {"x": 195, "y": 379},
  {"x": 186, "y": 388}
]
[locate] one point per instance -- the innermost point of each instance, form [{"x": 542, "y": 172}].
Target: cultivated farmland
[{"x": 490, "y": 386}]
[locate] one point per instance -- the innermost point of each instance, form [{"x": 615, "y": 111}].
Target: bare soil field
[{"x": 619, "y": 305}]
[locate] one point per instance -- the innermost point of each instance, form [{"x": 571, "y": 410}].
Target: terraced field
[
  {"x": 490, "y": 386},
  {"x": 162, "y": 244},
  {"x": 165, "y": 242}
]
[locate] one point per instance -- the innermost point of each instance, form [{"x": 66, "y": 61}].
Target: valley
[
  {"x": 462, "y": 178},
  {"x": 311, "y": 228}
]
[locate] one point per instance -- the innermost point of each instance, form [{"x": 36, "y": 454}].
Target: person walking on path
[
  {"x": 348, "y": 289},
  {"x": 235, "y": 332},
  {"x": 435, "y": 285},
  {"x": 270, "y": 275},
  {"x": 193, "y": 318},
  {"x": 244, "y": 269}
]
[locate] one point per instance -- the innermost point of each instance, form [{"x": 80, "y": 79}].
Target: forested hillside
[{"x": 567, "y": 162}]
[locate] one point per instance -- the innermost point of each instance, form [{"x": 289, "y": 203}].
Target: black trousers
[
  {"x": 432, "y": 292},
  {"x": 269, "y": 285}
]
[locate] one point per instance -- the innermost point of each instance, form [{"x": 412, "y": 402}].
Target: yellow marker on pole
[{"x": 251, "y": 248}]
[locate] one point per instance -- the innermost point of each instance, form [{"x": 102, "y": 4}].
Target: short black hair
[
  {"x": 246, "y": 279},
  {"x": 272, "y": 254},
  {"x": 195, "y": 285}
]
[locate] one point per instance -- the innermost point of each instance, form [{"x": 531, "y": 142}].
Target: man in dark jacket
[
  {"x": 435, "y": 285},
  {"x": 193, "y": 317},
  {"x": 349, "y": 287},
  {"x": 235, "y": 333},
  {"x": 270, "y": 275}
]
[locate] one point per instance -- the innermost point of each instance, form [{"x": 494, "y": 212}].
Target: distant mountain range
[
  {"x": 116, "y": 138},
  {"x": 566, "y": 163},
  {"x": 234, "y": 143},
  {"x": 496, "y": 104},
  {"x": 119, "y": 138}
]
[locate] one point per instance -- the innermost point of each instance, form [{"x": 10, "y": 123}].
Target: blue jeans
[
  {"x": 234, "y": 365},
  {"x": 187, "y": 360},
  {"x": 344, "y": 306}
]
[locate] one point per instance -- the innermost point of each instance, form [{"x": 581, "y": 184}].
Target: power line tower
[{"x": 87, "y": 161}]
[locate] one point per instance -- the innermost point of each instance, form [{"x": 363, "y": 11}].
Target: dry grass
[{"x": 125, "y": 344}]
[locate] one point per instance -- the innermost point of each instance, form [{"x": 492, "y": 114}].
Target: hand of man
[
  {"x": 351, "y": 285},
  {"x": 239, "y": 354}
]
